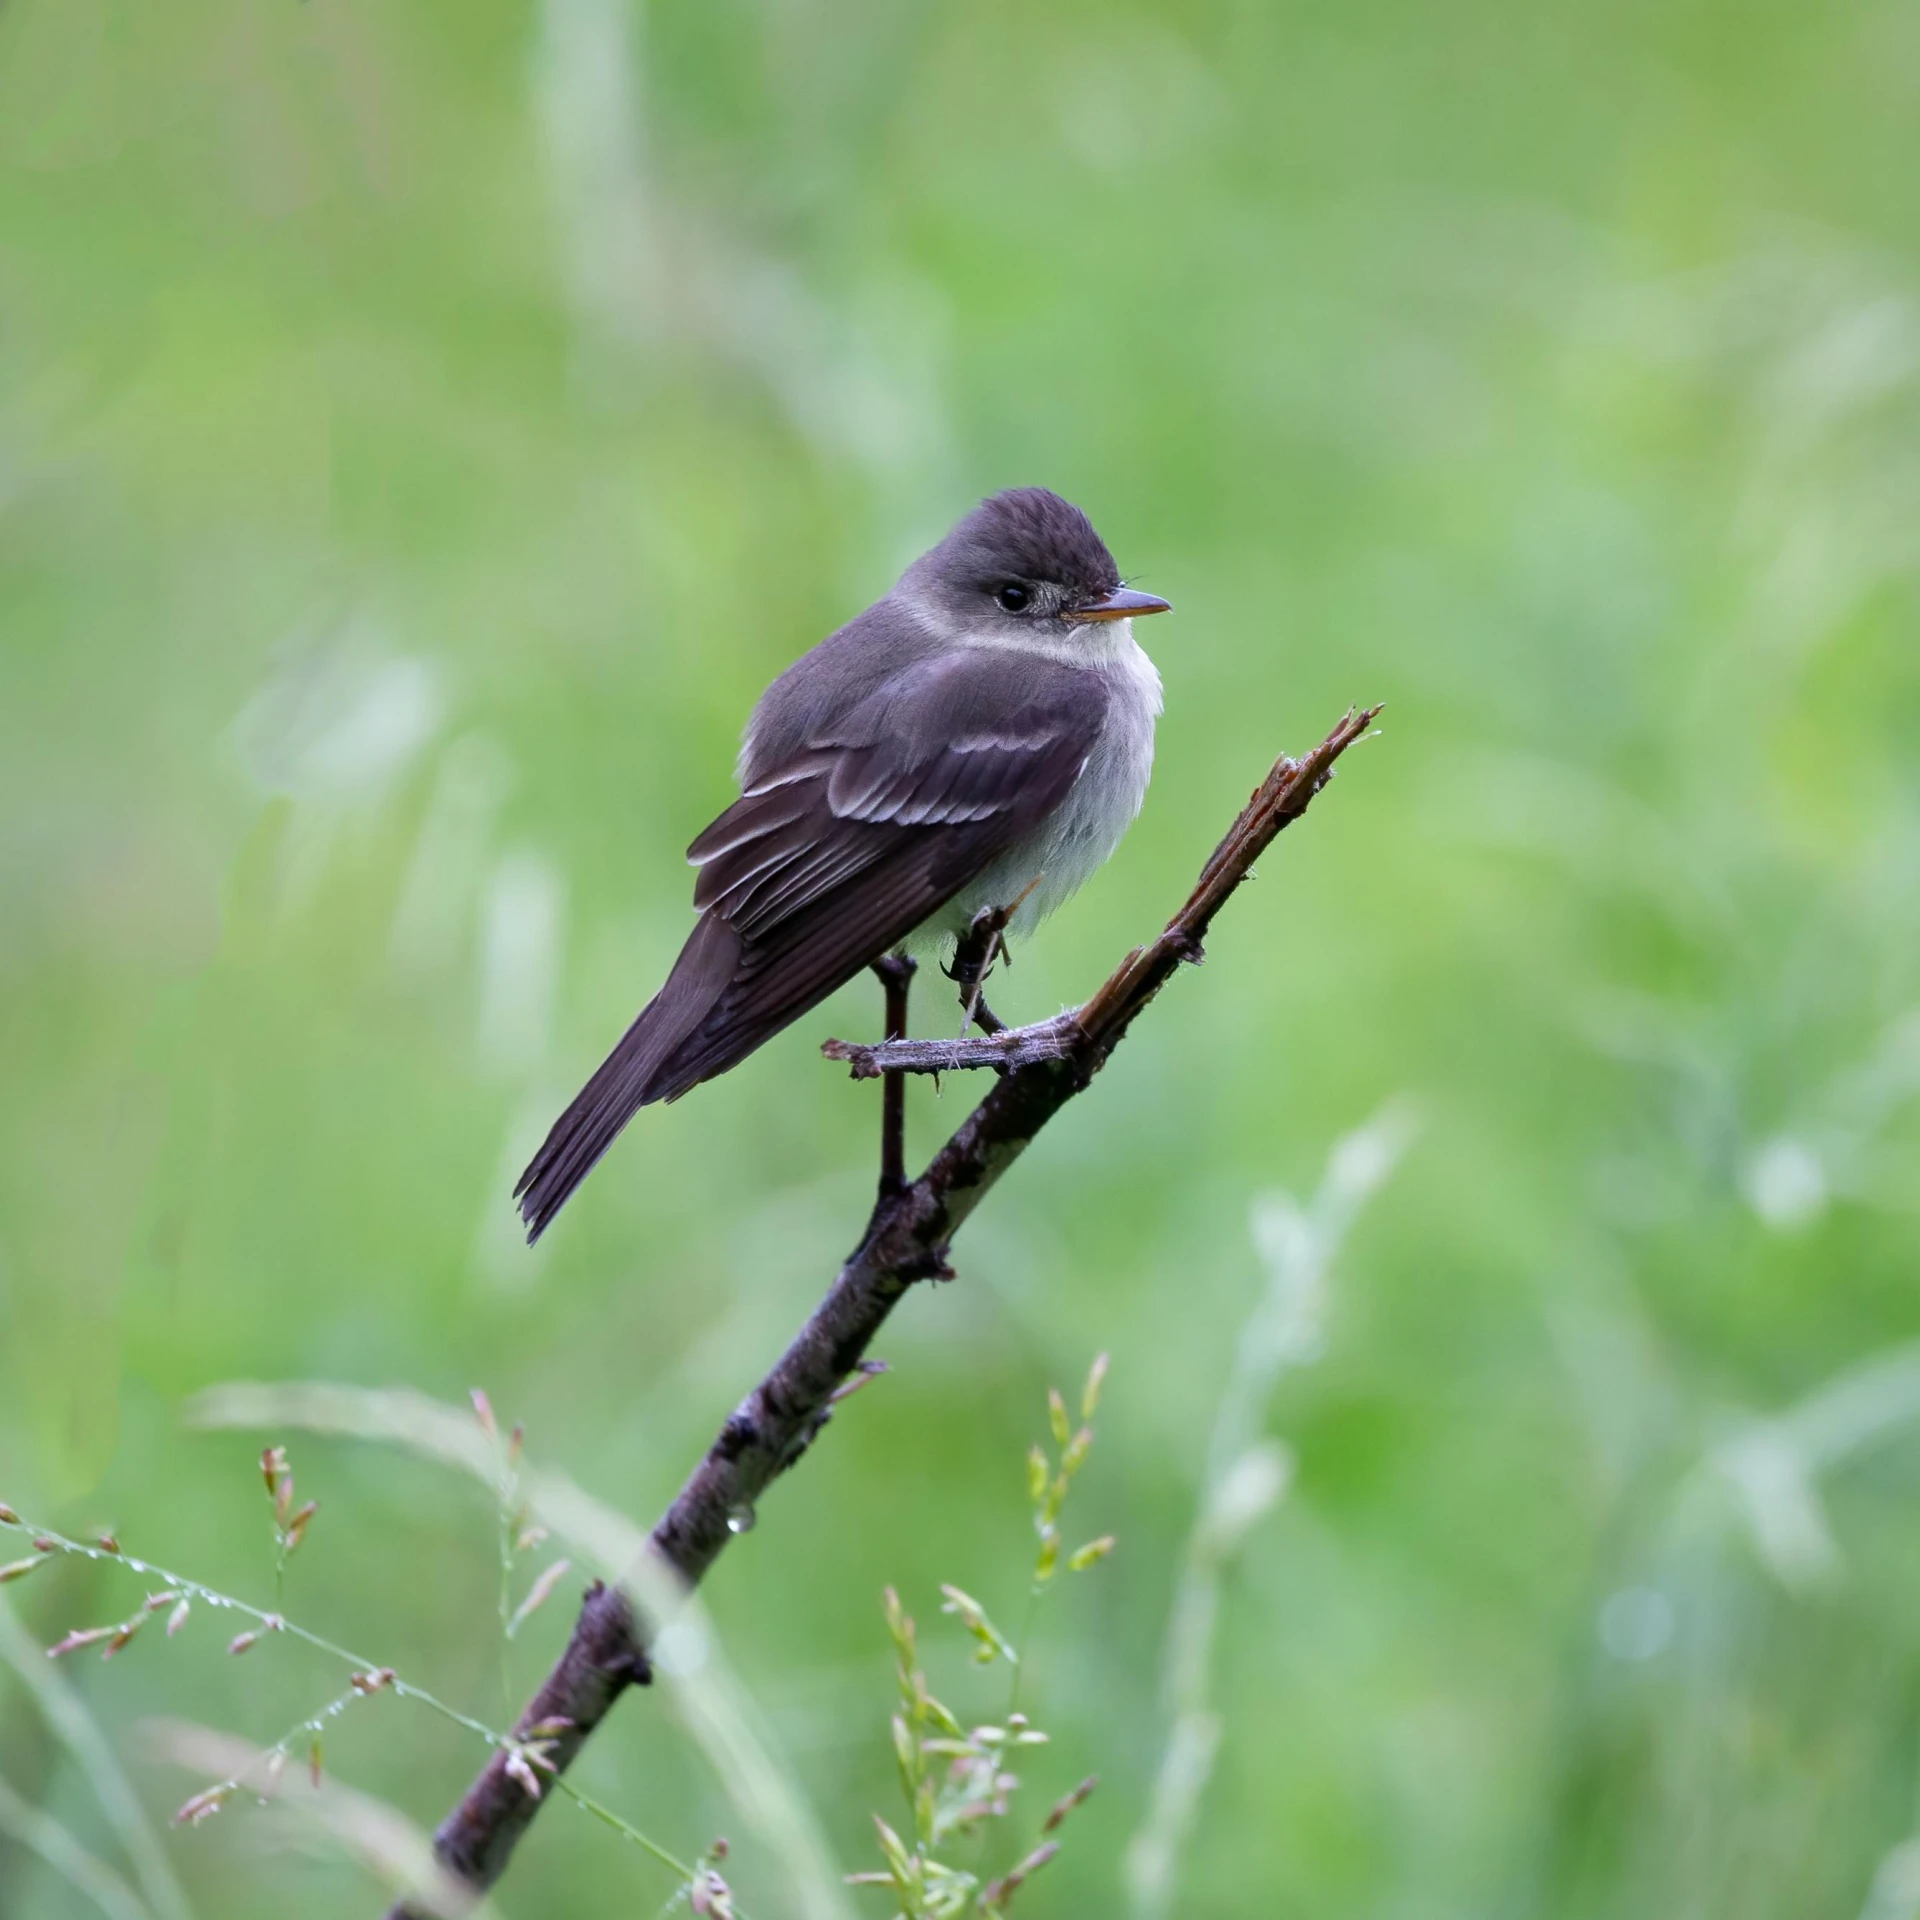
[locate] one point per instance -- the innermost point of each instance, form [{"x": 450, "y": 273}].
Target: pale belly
[{"x": 1054, "y": 861}]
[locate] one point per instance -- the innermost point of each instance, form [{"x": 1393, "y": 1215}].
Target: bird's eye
[{"x": 1013, "y": 596}]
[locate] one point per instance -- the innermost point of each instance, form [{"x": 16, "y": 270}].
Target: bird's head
[{"x": 1026, "y": 562}]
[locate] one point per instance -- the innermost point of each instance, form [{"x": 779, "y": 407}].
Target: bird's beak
[{"x": 1121, "y": 604}]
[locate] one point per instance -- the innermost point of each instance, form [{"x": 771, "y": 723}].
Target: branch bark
[{"x": 906, "y": 1240}]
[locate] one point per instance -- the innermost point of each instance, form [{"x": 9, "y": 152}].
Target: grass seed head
[
  {"x": 203, "y": 1806},
  {"x": 1037, "y": 1472},
  {"x": 538, "y": 1595},
  {"x": 78, "y": 1638},
  {"x": 1066, "y": 1804},
  {"x": 1090, "y": 1394},
  {"x": 296, "y": 1528}
]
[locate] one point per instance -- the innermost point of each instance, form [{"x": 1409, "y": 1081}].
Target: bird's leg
[
  {"x": 896, "y": 973},
  {"x": 974, "y": 954}
]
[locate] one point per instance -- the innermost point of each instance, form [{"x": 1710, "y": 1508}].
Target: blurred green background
[{"x": 422, "y": 433}]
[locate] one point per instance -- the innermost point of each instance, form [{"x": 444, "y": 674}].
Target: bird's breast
[{"x": 1067, "y": 847}]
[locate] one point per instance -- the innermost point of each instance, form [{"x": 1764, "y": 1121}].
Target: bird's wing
[
  {"x": 832, "y": 858},
  {"x": 829, "y": 860}
]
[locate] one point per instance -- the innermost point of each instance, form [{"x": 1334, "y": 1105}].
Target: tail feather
[{"x": 636, "y": 1073}]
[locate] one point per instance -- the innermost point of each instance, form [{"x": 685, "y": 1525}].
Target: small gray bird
[{"x": 981, "y": 736}]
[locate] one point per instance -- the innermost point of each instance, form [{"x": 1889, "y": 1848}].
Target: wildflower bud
[
  {"x": 1090, "y": 1395},
  {"x": 483, "y": 1412},
  {"x": 19, "y": 1569},
  {"x": 528, "y": 1540},
  {"x": 1057, "y": 1417},
  {"x": 297, "y": 1526},
  {"x": 122, "y": 1634},
  {"x": 719, "y": 1849},
  {"x": 79, "y": 1637},
  {"x": 1081, "y": 1558},
  {"x": 283, "y": 1500},
  {"x": 375, "y": 1682},
  {"x": 518, "y": 1770},
  {"x": 7, "y": 1515},
  {"x": 42, "y": 1544},
  {"x": 1049, "y": 1553},
  {"x": 273, "y": 1463},
  {"x": 242, "y": 1641},
  {"x": 550, "y": 1728},
  {"x": 108, "y": 1544},
  {"x": 1074, "y": 1458},
  {"x": 164, "y": 1598},
  {"x": 203, "y": 1805},
  {"x": 178, "y": 1617}
]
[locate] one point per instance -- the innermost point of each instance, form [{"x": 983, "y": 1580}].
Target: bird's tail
[{"x": 637, "y": 1072}]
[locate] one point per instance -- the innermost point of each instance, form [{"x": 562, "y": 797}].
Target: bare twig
[
  {"x": 1003, "y": 1049},
  {"x": 906, "y": 1240}
]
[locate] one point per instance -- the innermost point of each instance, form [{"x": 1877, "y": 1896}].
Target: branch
[
  {"x": 907, "y": 1240},
  {"x": 1003, "y": 1050}
]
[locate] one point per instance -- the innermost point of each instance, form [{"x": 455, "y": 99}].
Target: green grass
[{"x": 422, "y": 433}]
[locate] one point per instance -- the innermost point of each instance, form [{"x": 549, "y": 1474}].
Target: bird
[{"x": 978, "y": 740}]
